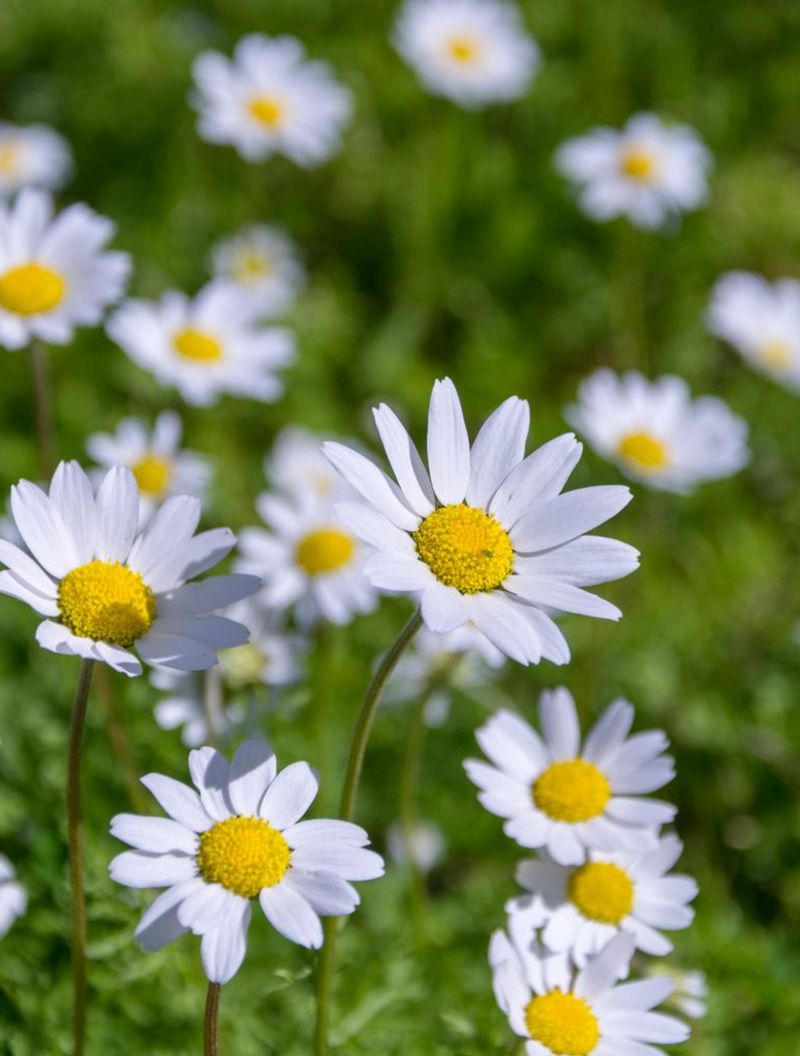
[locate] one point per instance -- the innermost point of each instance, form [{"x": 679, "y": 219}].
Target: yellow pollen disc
[
  {"x": 152, "y": 474},
  {"x": 30, "y": 289},
  {"x": 775, "y": 354},
  {"x": 572, "y": 791},
  {"x": 465, "y": 547},
  {"x": 9, "y": 157},
  {"x": 106, "y": 601},
  {"x": 563, "y": 1023},
  {"x": 266, "y": 109},
  {"x": 602, "y": 891},
  {"x": 194, "y": 344},
  {"x": 245, "y": 855},
  {"x": 643, "y": 451},
  {"x": 252, "y": 265},
  {"x": 463, "y": 49},
  {"x": 324, "y": 550},
  {"x": 638, "y": 165}
]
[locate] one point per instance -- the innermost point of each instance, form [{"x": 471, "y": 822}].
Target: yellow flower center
[
  {"x": 252, "y": 265},
  {"x": 463, "y": 49},
  {"x": 194, "y": 344},
  {"x": 244, "y": 664},
  {"x": 9, "y": 157},
  {"x": 775, "y": 354},
  {"x": 638, "y": 164},
  {"x": 245, "y": 855},
  {"x": 465, "y": 547},
  {"x": 563, "y": 1023},
  {"x": 573, "y": 790},
  {"x": 324, "y": 550},
  {"x": 153, "y": 474},
  {"x": 602, "y": 891},
  {"x": 106, "y": 601},
  {"x": 267, "y": 110},
  {"x": 643, "y": 451},
  {"x": 30, "y": 288}
]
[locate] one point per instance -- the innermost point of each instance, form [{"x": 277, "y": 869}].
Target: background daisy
[
  {"x": 264, "y": 262},
  {"x": 32, "y": 156},
  {"x": 13, "y": 897}
]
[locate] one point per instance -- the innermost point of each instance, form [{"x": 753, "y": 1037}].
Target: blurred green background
[{"x": 437, "y": 241}]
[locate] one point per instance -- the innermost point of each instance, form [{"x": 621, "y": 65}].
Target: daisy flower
[
  {"x": 297, "y": 466},
  {"x": 587, "y": 1013},
  {"x": 33, "y": 156},
  {"x": 105, "y": 588},
  {"x": 184, "y": 707},
  {"x": 206, "y": 345},
  {"x": 269, "y": 99},
  {"x": 264, "y": 262},
  {"x": 13, "y": 898},
  {"x": 691, "y": 988},
  {"x": 474, "y": 52},
  {"x": 155, "y": 458},
  {"x": 486, "y": 537},
  {"x": 423, "y": 845},
  {"x": 648, "y": 172},
  {"x": 656, "y": 433},
  {"x": 762, "y": 322},
  {"x": 54, "y": 275},
  {"x": 237, "y": 838},
  {"x": 570, "y": 798}
]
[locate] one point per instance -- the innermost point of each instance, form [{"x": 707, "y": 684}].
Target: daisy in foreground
[
  {"x": 269, "y": 99},
  {"x": 206, "y": 345},
  {"x": 13, "y": 898},
  {"x": 486, "y": 536},
  {"x": 105, "y": 588},
  {"x": 32, "y": 156},
  {"x": 762, "y": 322},
  {"x": 263, "y": 261},
  {"x": 570, "y": 798},
  {"x": 237, "y": 838},
  {"x": 648, "y": 171},
  {"x": 583, "y": 1014},
  {"x": 54, "y": 274},
  {"x": 656, "y": 433},
  {"x": 475, "y": 52}
]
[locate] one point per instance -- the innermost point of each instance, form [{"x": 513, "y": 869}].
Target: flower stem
[
  {"x": 355, "y": 763},
  {"x": 76, "y": 864},
  {"x": 212, "y": 1015},
  {"x": 44, "y": 410}
]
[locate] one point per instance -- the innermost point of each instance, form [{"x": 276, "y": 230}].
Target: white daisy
[
  {"x": 106, "y": 588},
  {"x": 762, "y": 322},
  {"x": 475, "y": 52},
  {"x": 570, "y": 799},
  {"x": 205, "y": 345},
  {"x": 155, "y": 458},
  {"x": 583, "y": 1014},
  {"x": 691, "y": 988},
  {"x": 32, "y": 156},
  {"x": 270, "y": 99},
  {"x": 264, "y": 262},
  {"x": 487, "y": 537},
  {"x": 297, "y": 466},
  {"x": 648, "y": 171},
  {"x": 13, "y": 897},
  {"x": 423, "y": 845},
  {"x": 241, "y": 838},
  {"x": 53, "y": 273},
  {"x": 656, "y": 433},
  {"x": 185, "y": 707}
]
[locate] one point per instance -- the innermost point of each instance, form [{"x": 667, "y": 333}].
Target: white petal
[
  {"x": 606, "y": 968},
  {"x": 216, "y": 592},
  {"x": 540, "y": 477},
  {"x": 136, "y": 869},
  {"x": 26, "y": 570},
  {"x": 289, "y": 796},
  {"x": 179, "y": 801},
  {"x": 443, "y": 608},
  {"x": 559, "y": 720},
  {"x": 209, "y": 772},
  {"x": 43, "y": 530},
  {"x": 327, "y": 894},
  {"x": 291, "y": 915},
  {"x": 118, "y": 658},
  {"x": 561, "y": 596},
  {"x": 498, "y": 448},
  {"x": 567, "y": 516},
  {"x": 206, "y": 908},
  {"x": 155, "y": 835},
  {"x": 223, "y": 948},
  {"x": 505, "y": 624},
  {"x": 71, "y": 493},
  {"x": 448, "y": 444},
  {"x": 159, "y": 923},
  {"x": 346, "y": 861},
  {"x": 14, "y": 588},
  {"x": 323, "y": 830},
  {"x": 117, "y": 515},
  {"x": 372, "y": 483},
  {"x": 404, "y": 460},
  {"x": 252, "y": 769},
  {"x": 175, "y": 651},
  {"x": 608, "y": 732}
]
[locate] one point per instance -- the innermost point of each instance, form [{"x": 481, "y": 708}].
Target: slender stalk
[
  {"x": 355, "y": 763},
  {"x": 44, "y": 410},
  {"x": 76, "y": 864},
  {"x": 121, "y": 744},
  {"x": 213, "y": 704},
  {"x": 212, "y": 1015}
]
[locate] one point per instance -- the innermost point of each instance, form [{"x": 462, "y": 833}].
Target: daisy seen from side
[
  {"x": 13, "y": 897},
  {"x": 32, "y": 156}
]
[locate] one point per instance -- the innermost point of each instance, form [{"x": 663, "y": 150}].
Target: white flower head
[
  {"x": 485, "y": 537},
  {"x": 237, "y": 838},
  {"x": 187, "y": 705},
  {"x": 572, "y": 798},
  {"x": 474, "y": 52},
  {"x": 691, "y": 988},
  {"x": 13, "y": 897},
  {"x": 54, "y": 274},
  {"x": 155, "y": 457},
  {"x": 270, "y": 99},
  {"x": 297, "y": 466},
  {"x": 762, "y": 322},
  {"x": 648, "y": 171},
  {"x": 106, "y": 588},
  {"x": 206, "y": 345},
  {"x": 263, "y": 261},
  {"x": 656, "y": 433},
  {"x": 32, "y": 156},
  {"x": 273, "y": 655},
  {"x": 423, "y": 844}
]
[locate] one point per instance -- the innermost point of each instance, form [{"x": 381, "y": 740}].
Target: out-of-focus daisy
[
  {"x": 570, "y": 798},
  {"x": 185, "y": 707},
  {"x": 656, "y": 433},
  {"x": 205, "y": 345},
  {"x": 583, "y": 1014},
  {"x": 423, "y": 845},
  {"x": 54, "y": 274},
  {"x": 487, "y": 538},
  {"x": 297, "y": 466},
  {"x": 270, "y": 99},
  {"x": 264, "y": 262},
  {"x": 106, "y": 588},
  {"x": 648, "y": 171},
  {"x": 155, "y": 458},
  {"x": 475, "y": 52},
  {"x": 32, "y": 156},
  {"x": 13, "y": 897},
  {"x": 239, "y": 837},
  {"x": 762, "y": 322},
  {"x": 691, "y": 988},
  {"x": 584, "y": 906}
]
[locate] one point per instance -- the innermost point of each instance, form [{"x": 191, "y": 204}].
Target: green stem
[
  {"x": 358, "y": 748},
  {"x": 212, "y": 1015},
  {"x": 76, "y": 864},
  {"x": 44, "y": 410}
]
